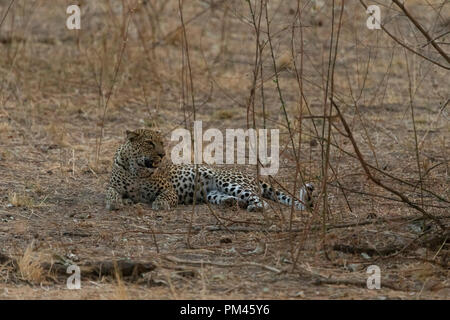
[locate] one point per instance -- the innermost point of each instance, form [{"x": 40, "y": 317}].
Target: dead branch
[
  {"x": 376, "y": 180},
  {"x": 92, "y": 269},
  {"x": 392, "y": 251},
  {"x": 314, "y": 227},
  {"x": 422, "y": 30},
  {"x": 7, "y": 11},
  {"x": 369, "y": 250},
  {"x": 387, "y": 174},
  {"x": 406, "y": 46}
]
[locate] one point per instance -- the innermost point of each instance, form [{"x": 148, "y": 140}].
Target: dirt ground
[{"x": 67, "y": 97}]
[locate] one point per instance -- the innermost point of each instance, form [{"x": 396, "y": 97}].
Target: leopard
[{"x": 141, "y": 173}]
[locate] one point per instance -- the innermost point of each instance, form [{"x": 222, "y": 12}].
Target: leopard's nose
[{"x": 148, "y": 163}]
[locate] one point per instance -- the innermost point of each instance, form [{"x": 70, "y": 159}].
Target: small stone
[
  {"x": 353, "y": 267},
  {"x": 365, "y": 255},
  {"x": 232, "y": 250}
]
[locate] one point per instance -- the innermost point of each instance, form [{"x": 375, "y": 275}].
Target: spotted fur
[{"x": 139, "y": 174}]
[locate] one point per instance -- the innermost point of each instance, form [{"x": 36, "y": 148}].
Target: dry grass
[
  {"x": 18, "y": 200},
  {"x": 121, "y": 292},
  {"x": 29, "y": 264},
  {"x": 58, "y": 135}
]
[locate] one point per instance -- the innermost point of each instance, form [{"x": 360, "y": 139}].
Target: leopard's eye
[{"x": 151, "y": 143}]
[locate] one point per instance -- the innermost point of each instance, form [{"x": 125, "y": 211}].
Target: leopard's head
[{"x": 143, "y": 150}]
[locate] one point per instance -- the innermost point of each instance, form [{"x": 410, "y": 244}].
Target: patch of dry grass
[
  {"x": 120, "y": 292},
  {"x": 21, "y": 200},
  {"x": 29, "y": 264}
]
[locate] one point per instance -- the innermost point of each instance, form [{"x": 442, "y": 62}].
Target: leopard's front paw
[
  {"x": 111, "y": 205},
  {"x": 114, "y": 200},
  {"x": 160, "y": 205},
  {"x": 127, "y": 202},
  {"x": 118, "y": 204}
]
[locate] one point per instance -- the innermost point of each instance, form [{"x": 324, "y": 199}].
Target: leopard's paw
[
  {"x": 257, "y": 206},
  {"x": 111, "y": 205},
  {"x": 160, "y": 205},
  {"x": 114, "y": 200}
]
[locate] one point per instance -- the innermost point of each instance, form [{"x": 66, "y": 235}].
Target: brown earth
[{"x": 67, "y": 97}]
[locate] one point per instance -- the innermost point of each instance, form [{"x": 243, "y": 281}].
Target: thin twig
[{"x": 222, "y": 265}]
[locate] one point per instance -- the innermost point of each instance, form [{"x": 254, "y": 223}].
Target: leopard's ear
[
  {"x": 131, "y": 135},
  {"x": 155, "y": 132}
]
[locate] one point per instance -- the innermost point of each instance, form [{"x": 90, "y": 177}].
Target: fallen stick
[
  {"x": 313, "y": 227},
  {"x": 92, "y": 269},
  {"x": 370, "y": 251},
  {"x": 392, "y": 251}
]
